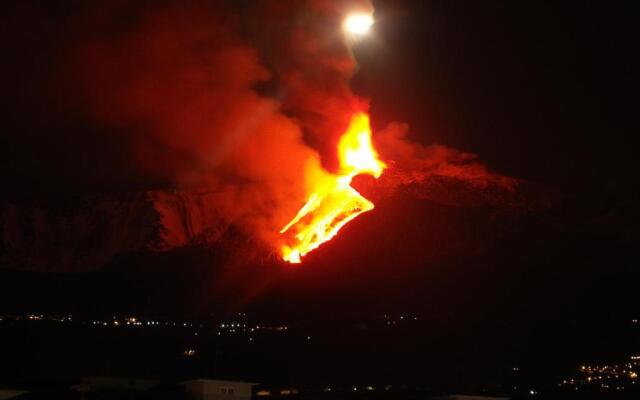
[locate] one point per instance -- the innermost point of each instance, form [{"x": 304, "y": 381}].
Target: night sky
[{"x": 539, "y": 91}]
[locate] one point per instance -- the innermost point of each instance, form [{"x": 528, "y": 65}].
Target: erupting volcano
[
  {"x": 333, "y": 202},
  {"x": 210, "y": 134}
]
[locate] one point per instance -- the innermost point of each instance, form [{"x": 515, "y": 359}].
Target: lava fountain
[{"x": 332, "y": 201}]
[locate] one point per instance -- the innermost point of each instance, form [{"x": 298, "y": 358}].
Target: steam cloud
[{"x": 195, "y": 96}]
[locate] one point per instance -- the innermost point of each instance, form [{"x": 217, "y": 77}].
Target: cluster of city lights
[
  {"x": 189, "y": 353},
  {"x": 615, "y": 377},
  {"x": 327, "y": 389},
  {"x": 114, "y": 321},
  {"x": 391, "y": 320},
  {"x": 242, "y": 326},
  {"x": 281, "y": 392},
  {"x": 37, "y": 317},
  {"x": 134, "y": 321}
]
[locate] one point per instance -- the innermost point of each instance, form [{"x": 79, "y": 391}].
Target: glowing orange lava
[{"x": 333, "y": 202}]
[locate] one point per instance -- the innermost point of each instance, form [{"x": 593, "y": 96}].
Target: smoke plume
[{"x": 246, "y": 100}]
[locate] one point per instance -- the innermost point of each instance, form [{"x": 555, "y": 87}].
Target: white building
[{"x": 207, "y": 389}]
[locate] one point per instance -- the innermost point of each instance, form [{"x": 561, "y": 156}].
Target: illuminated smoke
[{"x": 192, "y": 96}]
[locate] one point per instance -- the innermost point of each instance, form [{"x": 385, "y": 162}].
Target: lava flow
[{"x": 333, "y": 202}]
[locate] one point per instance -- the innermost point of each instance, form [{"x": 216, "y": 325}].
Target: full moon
[{"x": 358, "y": 24}]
